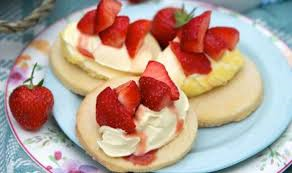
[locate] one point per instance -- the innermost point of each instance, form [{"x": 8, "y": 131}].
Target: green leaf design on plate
[
  {"x": 28, "y": 141},
  {"x": 53, "y": 135},
  {"x": 52, "y": 158}
]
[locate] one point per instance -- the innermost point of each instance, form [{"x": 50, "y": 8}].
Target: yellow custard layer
[{"x": 223, "y": 70}]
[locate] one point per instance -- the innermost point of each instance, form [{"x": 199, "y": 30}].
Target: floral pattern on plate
[{"x": 51, "y": 149}]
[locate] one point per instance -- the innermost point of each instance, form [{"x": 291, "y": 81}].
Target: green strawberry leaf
[
  {"x": 182, "y": 17},
  {"x": 41, "y": 83}
]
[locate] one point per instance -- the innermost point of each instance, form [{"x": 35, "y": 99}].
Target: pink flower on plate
[
  {"x": 72, "y": 166},
  {"x": 58, "y": 155},
  {"x": 17, "y": 75}
]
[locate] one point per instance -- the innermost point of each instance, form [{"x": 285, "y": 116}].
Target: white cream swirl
[{"x": 114, "y": 142}]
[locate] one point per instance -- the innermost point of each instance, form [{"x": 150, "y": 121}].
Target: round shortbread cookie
[
  {"x": 71, "y": 76},
  {"x": 82, "y": 78},
  {"x": 87, "y": 132},
  {"x": 233, "y": 102}
]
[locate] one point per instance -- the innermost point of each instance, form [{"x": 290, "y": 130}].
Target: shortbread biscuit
[
  {"x": 87, "y": 132},
  {"x": 71, "y": 76},
  {"x": 233, "y": 102},
  {"x": 81, "y": 78}
]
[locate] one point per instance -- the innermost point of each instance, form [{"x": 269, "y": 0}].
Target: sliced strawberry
[
  {"x": 179, "y": 34},
  {"x": 191, "y": 62},
  {"x": 228, "y": 34},
  {"x": 106, "y": 12},
  {"x": 110, "y": 112},
  {"x": 115, "y": 35},
  {"x": 193, "y": 33},
  {"x": 82, "y": 44},
  {"x": 135, "y": 36},
  {"x": 214, "y": 46},
  {"x": 154, "y": 94},
  {"x": 87, "y": 23},
  {"x": 157, "y": 71},
  {"x": 129, "y": 95}
]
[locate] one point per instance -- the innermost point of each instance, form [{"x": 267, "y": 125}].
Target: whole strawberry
[
  {"x": 167, "y": 22},
  {"x": 31, "y": 104}
]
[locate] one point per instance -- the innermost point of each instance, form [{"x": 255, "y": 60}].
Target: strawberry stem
[
  {"x": 182, "y": 17},
  {"x": 32, "y": 73},
  {"x": 191, "y": 14},
  {"x": 30, "y": 79}
]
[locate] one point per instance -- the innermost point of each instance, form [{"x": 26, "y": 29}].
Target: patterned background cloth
[{"x": 276, "y": 17}]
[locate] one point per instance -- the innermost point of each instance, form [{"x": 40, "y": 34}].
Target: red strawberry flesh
[
  {"x": 228, "y": 34},
  {"x": 155, "y": 94},
  {"x": 157, "y": 71},
  {"x": 86, "y": 24},
  {"x": 136, "y": 35},
  {"x": 179, "y": 34},
  {"x": 110, "y": 112},
  {"x": 115, "y": 35},
  {"x": 193, "y": 33},
  {"x": 163, "y": 25},
  {"x": 214, "y": 46},
  {"x": 129, "y": 95},
  {"x": 191, "y": 62},
  {"x": 106, "y": 12}
]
